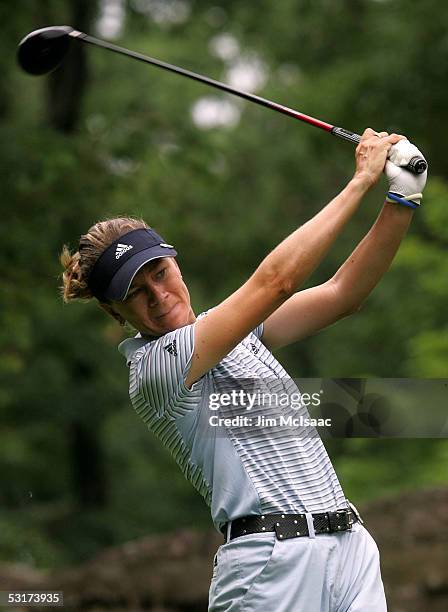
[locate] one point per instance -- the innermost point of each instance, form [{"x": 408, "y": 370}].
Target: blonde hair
[{"x": 77, "y": 266}]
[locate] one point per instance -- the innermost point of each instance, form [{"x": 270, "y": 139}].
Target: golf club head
[{"x": 43, "y": 50}]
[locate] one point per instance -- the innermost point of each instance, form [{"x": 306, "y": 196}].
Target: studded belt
[{"x": 292, "y": 525}]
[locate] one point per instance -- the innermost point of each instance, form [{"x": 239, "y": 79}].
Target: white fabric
[
  {"x": 238, "y": 470},
  {"x": 310, "y": 524},
  {"x": 338, "y": 572}
]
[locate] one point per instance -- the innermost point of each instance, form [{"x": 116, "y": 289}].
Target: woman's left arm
[{"x": 309, "y": 311}]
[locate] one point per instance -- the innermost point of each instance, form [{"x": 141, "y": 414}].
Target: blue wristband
[{"x": 402, "y": 201}]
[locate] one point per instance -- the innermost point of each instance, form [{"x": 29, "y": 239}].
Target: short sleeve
[
  {"x": 158, "y": 372},
  {"x": 258, "y": 331}
]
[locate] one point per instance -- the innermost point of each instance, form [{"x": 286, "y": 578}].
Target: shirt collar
[{"x": 130, "y": 345}]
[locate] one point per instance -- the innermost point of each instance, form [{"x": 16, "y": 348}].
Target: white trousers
[{"x": 338, "y": 572}]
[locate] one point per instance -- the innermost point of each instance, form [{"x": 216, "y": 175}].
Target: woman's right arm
[{"x": 287, "y": 266}]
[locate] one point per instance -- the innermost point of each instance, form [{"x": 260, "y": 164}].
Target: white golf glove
[{"x": 403, "y": 183}]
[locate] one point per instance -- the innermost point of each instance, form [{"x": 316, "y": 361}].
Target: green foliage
[
  {"x": 428, "y": 354},
  {"x": 378, "y": 468},
  {"x": 25, "y": 541},
  {"x": 435, "y": 213},
  {"x": 225, "y": 196}
]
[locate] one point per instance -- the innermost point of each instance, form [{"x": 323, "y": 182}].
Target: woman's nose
[{"x": 157, "y": 295}]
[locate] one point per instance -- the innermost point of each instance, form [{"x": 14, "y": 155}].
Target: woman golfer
[{"x": 293, "y": 543}]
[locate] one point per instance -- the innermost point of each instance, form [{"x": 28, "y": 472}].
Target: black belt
[{"x": 292, "y": 525}]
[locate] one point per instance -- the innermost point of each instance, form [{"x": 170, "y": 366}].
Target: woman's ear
[{"x": 110, "y": 311}]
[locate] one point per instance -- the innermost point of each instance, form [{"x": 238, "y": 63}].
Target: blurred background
[{"x": 224, "y": 180}]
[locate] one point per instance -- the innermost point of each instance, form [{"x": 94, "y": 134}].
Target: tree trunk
[
  {"x": 89, "y": 480},
  {"x": 67, "y": 84}
]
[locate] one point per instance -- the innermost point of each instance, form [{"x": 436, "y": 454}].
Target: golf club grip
[{"x": 417, "y": 164}]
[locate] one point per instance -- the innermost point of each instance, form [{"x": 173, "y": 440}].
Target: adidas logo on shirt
[
  {"x": 254, "y": 348},
  {"x": 121, "y": 249},
  {"x": 171, "y": 348}
]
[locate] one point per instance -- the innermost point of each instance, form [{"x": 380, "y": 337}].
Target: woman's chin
[
  {"x": 179, "y": 316},
  {"x": 176, "y": 318},
  {"x": 173, "y": 320}
]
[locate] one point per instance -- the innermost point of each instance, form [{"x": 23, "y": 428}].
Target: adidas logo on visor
[{"x": 121, "y": 250}]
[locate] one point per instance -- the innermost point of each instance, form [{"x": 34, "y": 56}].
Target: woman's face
[{"x": 158, "y": 300}]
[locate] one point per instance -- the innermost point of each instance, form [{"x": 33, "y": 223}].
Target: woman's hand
[
  {"x": 403, "y": 183},
  {"x": 371, "y": 155}
]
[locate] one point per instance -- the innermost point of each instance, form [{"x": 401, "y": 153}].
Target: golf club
[{"x": 43, "y": 50}]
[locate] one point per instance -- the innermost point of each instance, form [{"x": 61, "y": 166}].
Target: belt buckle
[{"x": 355, "y": 511}]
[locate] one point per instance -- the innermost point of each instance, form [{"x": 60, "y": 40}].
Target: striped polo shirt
[{"x": 238, "y": 468}]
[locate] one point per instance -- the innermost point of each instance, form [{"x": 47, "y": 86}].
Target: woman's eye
[
  {"x": 161, "y": 273},
  {"x": 134, "y": 293}
]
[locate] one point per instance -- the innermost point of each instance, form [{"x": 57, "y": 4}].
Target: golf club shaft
[
  {"x": 416, "y": 164},
  {"x": 203, "y": 79}
]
